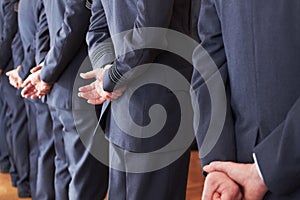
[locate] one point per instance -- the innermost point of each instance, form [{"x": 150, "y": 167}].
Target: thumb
[
  {"x": 35, "y": 69},
  {"x": 9, "y": 73},
  {"x": 233, "y": 170},
  {"x": 89, "y": 75},
  {"x": 26, "y": 82}
]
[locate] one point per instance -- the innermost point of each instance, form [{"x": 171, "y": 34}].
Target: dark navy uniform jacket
[
  {"x": 256, "y": 46},
  {"x": 68, "y": 22},
  {"x": 34, "y": 34},
  {"x": 111, "y": 17},
  {"x": 8, "y": 29}
]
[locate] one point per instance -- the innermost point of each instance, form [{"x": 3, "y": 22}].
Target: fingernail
[{"x": 206, "y": 168}]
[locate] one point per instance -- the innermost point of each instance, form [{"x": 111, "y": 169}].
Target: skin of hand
[
  {"x": 246, "y": 175},
  {"x": 94, "y": 92},
  {"x": 1, "y": 71},
  {"x": 34, "y": 87},
  {"x": 219, "y": 186},
  {"x": 14, "y": 78}
]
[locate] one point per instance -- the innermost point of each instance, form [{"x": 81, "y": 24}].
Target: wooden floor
[{"x": 194, "y": 188}]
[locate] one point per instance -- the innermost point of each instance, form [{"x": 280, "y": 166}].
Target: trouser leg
[
  {"x": 4, "y": 151},
  {"x": 45, "y": 174},
  {"x": 166, "y": 183},
  {"x": 89, "y": 177},
  {"x": 62, "y": 176},
  {"x": 33, "y": 145},
  {"x": 19, "y": 137}
]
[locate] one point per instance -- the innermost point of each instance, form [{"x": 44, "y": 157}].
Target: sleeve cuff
[
  {"x": 45, "y": 78},
  {"x": 110, "y": 80},
  {"x": 23, "y": 75},
  {"x": 257, "y": 166},
  {"x": 102, "y": 55}
]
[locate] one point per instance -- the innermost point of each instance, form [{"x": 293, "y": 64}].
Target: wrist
[{"x": 258, "y": 179}]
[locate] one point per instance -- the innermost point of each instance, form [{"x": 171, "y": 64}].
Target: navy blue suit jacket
[
  {"x": 68, "y": 22},
  {"x": 113, "y": 17},
  {"x": 255, "y": 45},
  {"x": 8, "y": 29},
  {"x": 34, "y": 34}
]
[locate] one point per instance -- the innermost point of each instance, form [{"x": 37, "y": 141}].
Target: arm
[
  {"x": 9, "y": 30},
  {"x": 211, "y": 36},
  {"x": 154, "y": 13},
  {"x": 28, "y": 60},
  {"x": 42, "y": 35},
  {"x": 18, "y": 56},
  {"x": 101, "y": 50},
  {"x": 281, "y": 151},
  {"x": 68, "y": 40},
  {"x": 17, "y": 50}
]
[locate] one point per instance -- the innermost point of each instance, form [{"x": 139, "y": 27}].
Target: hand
[
  {"x": 14, "y": 78},
  {"x": 34, "y": 87},
  {"x": 96, "y": 73},
  {"x": 94, "y": 92},
  {"x": 43, "y": 88},
  {"x": 246, "y": 175},
  {"x": 1, "y": 71},
  {"x": 219, "y": 186}
]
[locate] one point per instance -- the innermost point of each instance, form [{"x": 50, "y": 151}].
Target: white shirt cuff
[
  {"x": 257, "y": 166},
  {"x": 42, "y": 64}
]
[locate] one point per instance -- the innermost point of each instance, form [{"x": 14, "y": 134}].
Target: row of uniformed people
[
  {"x": 14, "y": 121},
  {"x": 46, "y": 151}
]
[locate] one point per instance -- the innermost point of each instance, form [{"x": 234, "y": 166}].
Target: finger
[
  {"x": 29, "y": 93},
  {"x": 89, "y": 75},
  {"x": 26, "y": 83},
  {"x": 91, "y": 95},
  {"x": 41, "y": 93},
  {"x": 87, "y": 88},
  {"x": 19, "y": 67},
  {"x": 115, "y": 96},
  {"x": 28, "y": 89},
  {"x": 208, "y": 190},
  {"x": 229, "y": 196},
  {"x": 105, "y": 95},
  {"x": 217, "y": 196},
  {"x": 218, "y": 166},
  {"x": 234, "y": 170},
  {"x": 8, "y": 73},
  {"x": 35, "y": 69},
  {"x": 96, "y": 101}
]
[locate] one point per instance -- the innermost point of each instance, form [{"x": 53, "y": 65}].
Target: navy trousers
[
  {"x": 17, "y": 135},
  {"x": 45, "y": 139},
  {"x": 32, "y": 144},
  {"x": 4, "y": 153},
  {"x": 78, "y": 175},
  {"x": 167, "y": 183}
]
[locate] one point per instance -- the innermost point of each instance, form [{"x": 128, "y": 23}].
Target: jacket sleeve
[
  {"x": 101, "y": 50},
  {"x": 278, "y": 155},
  {"x": 68, "y": 40},
  {"x": 28, "y": 61},
  {"x": 10, "y": 27},
  {"x": 221, "y": 148},
  {"x": 17, "y": 50},
  {"x": 154, "y": 13},
  {"x": 42, "y": 35}
]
